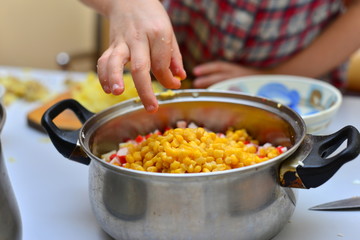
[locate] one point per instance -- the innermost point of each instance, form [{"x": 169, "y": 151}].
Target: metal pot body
[
  {"x": 10, "y": 222},
  {"x": 227, "y": 206},
  {"x": 246, "y": 203}
]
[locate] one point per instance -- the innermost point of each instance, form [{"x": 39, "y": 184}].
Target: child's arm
[{"x": 333, "y": 47}]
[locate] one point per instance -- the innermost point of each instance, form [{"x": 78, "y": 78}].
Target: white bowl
[{"x": 316, "y": 101}]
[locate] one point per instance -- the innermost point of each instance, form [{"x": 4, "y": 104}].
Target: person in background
[{"x": 221, "y": 39}]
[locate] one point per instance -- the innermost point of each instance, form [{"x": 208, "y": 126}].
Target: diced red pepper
[
  {"x": 112, "y": 156},
  {"x": 280, "y": 149},
  {"x": 246, "y": 142},
  {"x": 147, "y": 136},
  {"x": 122, "y": 159},
  {"x": 139, "y": 139}
]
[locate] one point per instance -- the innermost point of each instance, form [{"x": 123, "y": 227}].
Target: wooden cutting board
[{"x": 67, "y": 120}]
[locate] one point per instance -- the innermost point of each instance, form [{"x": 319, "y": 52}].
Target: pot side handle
[
  {"x": 66, "y": 141},
  {"x": 316, "y": 160}
]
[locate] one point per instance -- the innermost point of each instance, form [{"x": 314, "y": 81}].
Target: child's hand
[
  {"x": 210, "y": 73},
  {"x": 140, "y": 33}
]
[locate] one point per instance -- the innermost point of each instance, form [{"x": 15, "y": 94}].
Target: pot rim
[{"x": 135, "y": 105}]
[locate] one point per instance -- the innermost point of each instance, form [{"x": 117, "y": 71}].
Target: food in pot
[{"x": 191, "y": 149}]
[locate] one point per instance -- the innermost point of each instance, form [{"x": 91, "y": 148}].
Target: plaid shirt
[{"x": 254, "y": 33}]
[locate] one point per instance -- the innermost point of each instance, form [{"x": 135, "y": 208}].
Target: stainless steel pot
[
  {"x": 253, "y": 202},
  {"x": 10, "y": 222}
]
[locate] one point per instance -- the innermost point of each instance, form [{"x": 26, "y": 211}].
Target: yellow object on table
[
  {"x": 353, "y": 75},
  {"x": 91, "y": 95},
  {"x": 28, "y": 90}
]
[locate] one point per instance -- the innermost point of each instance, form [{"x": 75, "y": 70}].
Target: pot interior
[{"x": 265, "y": 120}]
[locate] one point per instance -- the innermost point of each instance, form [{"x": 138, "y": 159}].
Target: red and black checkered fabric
[{"x": 254, "y": 33}]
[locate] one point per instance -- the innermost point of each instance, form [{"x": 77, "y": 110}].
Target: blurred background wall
[{"x": 33, "y": 33}]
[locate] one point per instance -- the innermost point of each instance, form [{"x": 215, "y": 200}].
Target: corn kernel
[
  {"x": 219, "y": 160},
  {"x": 175, "y": 143},
  {"x": 156, "y": 145},
  {"x": 218, "y": 153},
  {"x": 137, "y": 157},
  {"x": 251, "y": 149},
  {"x": 197, "y": 169},
  {"x": 273, "y": 153},
  {"x": 130, "y": 158},
  {"x": 151, "y": 169},
  {"x": 148, "y": 163},
  {"x": 210, "y": 159},
  {"x": 174, "y": 165},
  {"x": 205, "y": 170},
  {"x": 170, "y": 151},
  {"x": 187, "y": 161},
  {"x": 179, "y": 170},
  {"x": 179, "y": 138},
  {"x": 234, "y": 160},
  {"x": 137, "y": 167},
  {"x": 149, "y": 155},
  {"x": 200, "y": 160},
  {"x": 144, "y": 150},
  {"x": 228, "y": 160},
  {"x": 159, "y": 165}
]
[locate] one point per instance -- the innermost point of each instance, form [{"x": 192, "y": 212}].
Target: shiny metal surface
[
  {"x": 246, "y": 203},
  {"x": 10, "y": 222},
  {"x": 230, "y": 206},
  {"x": 352, "y": 203}
]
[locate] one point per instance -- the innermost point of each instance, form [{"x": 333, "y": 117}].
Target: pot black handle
[
  {"x": 316, "y": 160},
  {"x": 318, "y": 166},
  {"x": 66, "y": 141}
]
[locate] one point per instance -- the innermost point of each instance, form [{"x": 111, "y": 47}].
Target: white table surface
[{"x": 52, "y": 191}]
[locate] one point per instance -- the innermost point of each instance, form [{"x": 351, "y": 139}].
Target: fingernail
[
  {"x": 116, "y": 89},
  {"x": 151, "y": 108},
  {"x": 115, "y": 86},
  {"x": 106, "y": 89}
]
